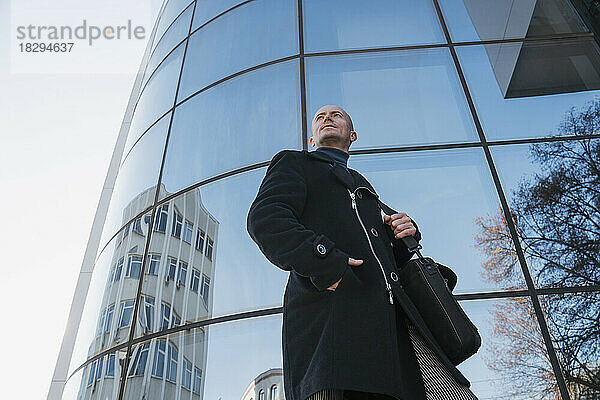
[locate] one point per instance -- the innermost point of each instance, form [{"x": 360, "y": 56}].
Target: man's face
[{"x": 331, "y": 127}]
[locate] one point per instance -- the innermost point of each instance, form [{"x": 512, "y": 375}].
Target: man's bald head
[{"x": 332, "y": 127}]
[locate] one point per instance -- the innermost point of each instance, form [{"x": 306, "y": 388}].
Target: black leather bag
[{"x": 429, "y": 285}]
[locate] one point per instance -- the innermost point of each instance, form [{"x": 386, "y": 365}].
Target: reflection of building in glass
[
  {"x": 176, "y": 290},
  {"x": 266, "y": 386},
  {"x": 478, "y": 118},
  {"x": 532, "y": 69}
]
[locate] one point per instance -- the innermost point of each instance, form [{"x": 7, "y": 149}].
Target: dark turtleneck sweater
[{"x": 339, "y": 156}]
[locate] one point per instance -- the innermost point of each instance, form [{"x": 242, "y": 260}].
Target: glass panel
[
  {"x": 355, "y": 24},
  {"x": 242, "y": 121},
  {"x": 99, "y": 379},
  {"x": 257, "y": 32},
  {"x": 512, "y": 362},
  {"x": 551, "y": 189},
  {"x": 157, "y": 97},
  {"x": 575, "y": 331},
  {"x": 470, "y": 20},
  {"x": 450, "y": 195},
  {"x": 135, "y": 186},
  {"x": 223, "y": 361},
  {"x": 396, "y": 98},
  {"x": 208, "y": 9},
  {"x": 172, "y": 9},
  {"x": 216, "y": 281},
  {"x": 503, "y": 90},
  {"x": 106, "y": 320},
  {"x": 175, "y": 34}
]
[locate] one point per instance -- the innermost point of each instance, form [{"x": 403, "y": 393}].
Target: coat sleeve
[{"x": 273, "y": 223}]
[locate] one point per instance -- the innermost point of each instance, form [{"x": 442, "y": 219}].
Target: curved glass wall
[{"x": 482, "y": 126}]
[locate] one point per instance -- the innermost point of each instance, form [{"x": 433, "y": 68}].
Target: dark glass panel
[
  {"x": 522, "y": 92},
  {"x": 470, "y": 20}
]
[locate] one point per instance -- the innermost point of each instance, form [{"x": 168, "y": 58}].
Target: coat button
[
  {"x": 374, "y": 232},
  {"x": 321, "y": 249},
  {"x": 394, "y": 276},
  {"x": 359, "y": 194}
]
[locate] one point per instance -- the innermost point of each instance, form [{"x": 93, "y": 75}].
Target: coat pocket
[{"x": 345, "y": 277}]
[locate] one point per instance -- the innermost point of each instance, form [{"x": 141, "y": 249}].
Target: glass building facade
[{"x": 479, "y": 118}]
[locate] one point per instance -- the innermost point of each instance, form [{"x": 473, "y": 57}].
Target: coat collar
[{"x": 351, "y": 182}]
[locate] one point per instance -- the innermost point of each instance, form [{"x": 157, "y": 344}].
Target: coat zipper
[{"x": 387, "y": 284}]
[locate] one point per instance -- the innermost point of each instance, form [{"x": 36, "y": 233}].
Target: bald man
[{"x": 348, "y": 330}]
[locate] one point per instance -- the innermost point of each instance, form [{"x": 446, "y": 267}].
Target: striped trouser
[{"x": 439, "y": 382}]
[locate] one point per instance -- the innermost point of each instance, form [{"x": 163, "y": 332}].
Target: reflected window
[
  {"x": 125, "y": 313},
  {"x": 119, "y": 269},
  {"x": 186, "y": 379},
  {"x": 165, "y": 312},
  {"x": 175, "y": 320},
  {"x": 137, "y": 226},
  {"x": 158, "y": 365},
  {"x": 171, "y": 269},
  {"x": 273, "y": 392},
  {"x": 109, "y": 317},
  {"x": 177, "y": 224},
  {"x": 100, "y": 327},
  {"x": 195, "y": 280},
  {"x": 147, "y": 316},
  {"x": 205, "y": 288},
  {"x": 172, "y": 357},
  {"x": 92, "y": 371},
  {"x": 182, "y": 273},
  {"x": 200, "y": 240},
  {"x": 99, "y": 367},
  {"x": 126, "y": 230},
  {"x": 138, "y": 367},
  {"x": 110, "y": 365},
  {"x": 197, "y": 380},
  {"x": 134, "y": 266},
  {"x": 209, "y": 248},
  {"x": 153, "y": 264},
  {"x": 162, "y": 214},
  {"x": 188, "y": 232}
]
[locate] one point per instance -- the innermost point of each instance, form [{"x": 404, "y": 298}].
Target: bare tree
[{"x": 557, "y": 215}]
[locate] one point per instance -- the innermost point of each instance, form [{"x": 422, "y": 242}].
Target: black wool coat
[{"x": 354, "y": 338}]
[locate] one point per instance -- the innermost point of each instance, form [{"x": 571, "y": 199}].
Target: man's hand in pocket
[{"x": 351, "y": 261}]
